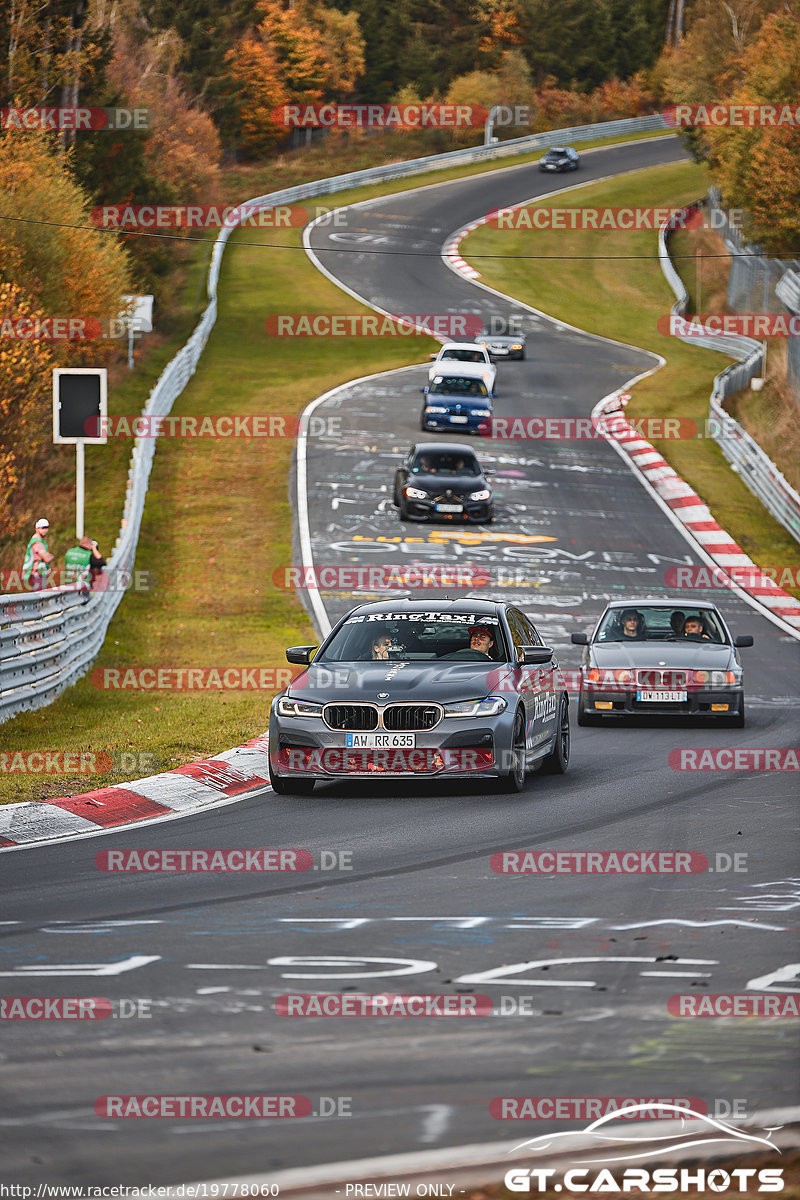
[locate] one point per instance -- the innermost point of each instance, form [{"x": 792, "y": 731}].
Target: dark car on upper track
[
  {"x": 560, "y": 158},
  {"x": 454, "y": 401},
  {"x": 661, "y": 657},
  {"x": 442, "y": 482},
  {"x": 503, "y": 339},
  {"x": 422, "y": 688}
]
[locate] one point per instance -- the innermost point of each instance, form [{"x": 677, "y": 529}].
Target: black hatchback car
[
  {"x": 443, "y": 483},
  {"x": 660, "y": 657},
  {"x": 560, "y": 158}
]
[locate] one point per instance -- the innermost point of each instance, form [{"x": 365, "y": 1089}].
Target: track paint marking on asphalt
[
  {"x": 119, "y": 967},
  {"x": 781, "y": 975},
  {"x": 435, "y": 1122}
]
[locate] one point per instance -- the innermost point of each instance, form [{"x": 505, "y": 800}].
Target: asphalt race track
[{"x": 414, "y": 905}]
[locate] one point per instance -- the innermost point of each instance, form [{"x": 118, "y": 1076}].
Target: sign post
[{"x": 80, "y": 408}]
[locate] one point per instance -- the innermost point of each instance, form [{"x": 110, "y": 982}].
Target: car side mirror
[
  {"x": 744, "y": 639},
  {"x": 433, "y": 356},
  {"x": 301, "y": 654},
  {"x": 424, "y": 391},
  {"x": 579, "y": 639},
  {"x": 536, "y": 655}
]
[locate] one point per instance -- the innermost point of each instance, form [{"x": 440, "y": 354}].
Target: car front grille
[
  {"x": 403, "y": 718},
  {"x": 350, "y": 716},
  {"x": 655, "y": 680}
]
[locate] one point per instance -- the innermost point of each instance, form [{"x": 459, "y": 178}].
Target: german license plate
[
  {"x": 459, "y": 420},
  {"x": 380, "y": 741},
  {"x": 662, "y": 697},
  {"x": 449, "y": 508}
]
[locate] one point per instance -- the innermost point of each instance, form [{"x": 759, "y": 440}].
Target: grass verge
[{"x": 615, "y": 288}]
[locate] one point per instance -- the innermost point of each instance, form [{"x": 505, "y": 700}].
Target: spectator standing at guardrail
[
  {"x": 35, "y": 568},
  {"x": 83, "y": 562}
]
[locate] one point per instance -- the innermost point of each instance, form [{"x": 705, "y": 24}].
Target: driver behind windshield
[
  {"x": 633, "y": 625},
  {"x": 694, "y": 627}
]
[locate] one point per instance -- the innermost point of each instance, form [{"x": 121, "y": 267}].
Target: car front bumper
[
  {"x": 699, "y": 703},
  {"x": 446, "y": 421},
  {"x": 305, "y": 748},
  {"x": 425, "y": 510}
]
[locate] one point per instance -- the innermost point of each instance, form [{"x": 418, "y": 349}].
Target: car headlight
[
  {"x": 434, "y": 408},
  {"x": 715, "y": 678},
  {"x": 481, "y": 412},
  {"x": 489, "y": 707},
  {"x": 610, "y": 676},
  {"x": 483, "y": 494},
  {"x": 517, "y": 346},
  {"x": 288, "y": 707},
  {"x": 416, "y": 493}
]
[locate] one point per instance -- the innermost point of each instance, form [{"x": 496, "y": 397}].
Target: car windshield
[
  {"x": 457, "y": 355},
  {"x": 457, "y": 385},
  {"x": 643, "y": 623},
  {"x": 443, "y": 462},
  {"x": 417, "y": 636},
  {"x": 556, "y": 152}
]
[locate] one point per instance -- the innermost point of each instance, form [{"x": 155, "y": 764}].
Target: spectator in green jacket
[
  {"x": 83, "y": 562},
  {"x": 35, "y": 567}
]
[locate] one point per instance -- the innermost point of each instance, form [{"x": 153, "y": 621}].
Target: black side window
[
  {"x": 519, "y": 636},
  {"x": 534, "y": 638}
]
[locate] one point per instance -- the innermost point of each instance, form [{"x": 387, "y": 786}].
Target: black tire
[
  {"x": 522, "y": 356},
  {"x": 513, "y": 780},
  {"x": 737, "y": 722},
  {"x": 283, "y": 785},
  {"x": 422, "y": 425},
  {"x": 403, "y": 514},
  {"x": 557, "y": 761},
  {"x": 585, "y": 718}
]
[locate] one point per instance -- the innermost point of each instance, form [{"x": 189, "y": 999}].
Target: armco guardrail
[
  {"x": 742, "y": 452},
  {"x": 49, "y": 639}
]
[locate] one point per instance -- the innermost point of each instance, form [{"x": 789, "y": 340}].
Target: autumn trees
[{"x": 745, "y": 52}]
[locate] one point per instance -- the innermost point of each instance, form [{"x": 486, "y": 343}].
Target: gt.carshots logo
[{"x": 613, "y": 1141}]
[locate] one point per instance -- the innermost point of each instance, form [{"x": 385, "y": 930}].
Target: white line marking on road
[
  {"x": 434, "y": 1123},
  {"x": 62, "y": 969}
]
